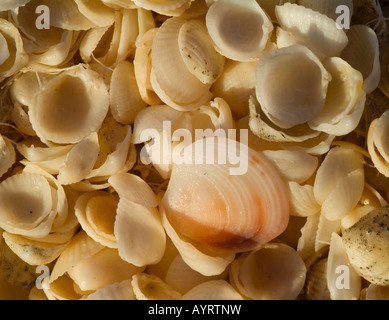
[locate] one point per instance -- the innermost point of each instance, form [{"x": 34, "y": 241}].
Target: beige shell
[
  {"x": 316, "y": 281},
  {"x": 150, "y": 287},
  {"x": 170, "y": 71},
  {"x": 168, "y": 7},
  {"x": 328, "y": 7},
  {"x": 274, "y": 271},
  {"x": 12, "y": 4},
  {"x": 79, "y": 107},
  {"x": 13, "y": 55},
  {"x": 213, "y": 290},
  {"x": 317, "y": 31},
  {"x": 116, "y": 291},
  {"x": 362, "y": 53},
  {"x": 240, "y": 30},
  {"x": 289, "y": 103},
  {"x": 365, "y": 244}
]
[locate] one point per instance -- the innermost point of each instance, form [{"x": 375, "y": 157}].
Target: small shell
[
  {"x": 302, "y": 200},
  {"x": 212, "y": 290},
  {"x": 269, "y": 6},
  {"x": 33, "y": 252},
  {"x": 150, "y": 287},
  {"x": 345, "y": 99},
  {"x": 375, "y": 292},
  {"x": 164, "y": 7},
  {"x": 366, "y": 246},
  {"x": 170, "y": 71},
  {"x": 316, "y": 282},
  {"x": 198, "y": 53},
  {"x": 7, "y": 155},
  {"x": 273, "y": 271},
  {"x": 13, "y": 54},
  {"x": 240, "y": 30},
  {"x": 328, "y": 7},
  {"x": 339, "y": 182},
  {"x": 142, "y": 67},
  {"x": 289, "y": 103},
  {"x": 79, "y": 108},
  {"x": 12, "y": 4},
  {"x": 235, "y": 85},
  {"x": 96, "y": 213},
  {"x": 98, "y": 13},
  {"x": 362, "y": 53},
  {"x": 342, "y": 280},
  {"x": 200, "y": 227},
  {"x": 316, "y": 30}
]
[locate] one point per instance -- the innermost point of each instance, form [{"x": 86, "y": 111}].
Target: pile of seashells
[{"x": 89, "y": 210}]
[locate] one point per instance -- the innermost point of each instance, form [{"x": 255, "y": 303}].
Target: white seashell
[
  {"x": 342, "y": 280},
  {"x": 302, "y": 200},
  {"x": 212, "y": 290},
  {"x": 300, "y": 101},
  {"x": 134, "y": 189},
  {"x": 96, "y": 213},
  {"x": 33, "y": 252},
  {"x": 197, "y": 227},
  {"x": 7, "y": 155},
  {"x": 198, "y": 53},
  {"x": 377, "y": 145},
  {"x": 170, "y": 71},
  {"x": 140, "y": 236},
  {"x": 125, "y": 99},
  {"x": 235, "y": 85},
  {"x": 317, "y": 31},
  {"x": 13, "y": 54},
  {"x": 306, "y": 242},
  {"x": 286, "y": 159},
  {"x": 325, "y": 229},
  {"x": 116, "y": 291},
  {"x": 328, "y": 7},
  {"x": 142, "y": 67},
  {"x": 366, "y": 243},
  {"x": 345, "y": 100},
  {"x": 240, "y": 30},
  {"x": 269, "y": 6},
  {"x": 362, "y": 53},
  {"x": 12, "y": 4},
  {"x": 93, "y": 42},
  {"x": 273, "y": 271},
  {"x": 98, "y": 13},
  {"x": 339, "y": 182},
  {"x": 316, "y": 281},
  {"x": 80, "y": 108},
  {"x": 150, "y": 287}
]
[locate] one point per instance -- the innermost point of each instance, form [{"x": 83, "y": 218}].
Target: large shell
[
  {"x": 273, "y": 271},
  {"x": 210, "y": 223},
  {"x": 289, "y": 103},
  {"x": 240, "y": 30},
  {"x": 366, "y": 246},
  {"x": 314, "y": 29},
  {"x": 68, "y": 107}
]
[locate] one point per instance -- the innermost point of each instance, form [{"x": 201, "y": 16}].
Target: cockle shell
[
  {"x": 339, "y": 182},
  {"x": 170, "y": 71},
  {"x": 366, "y": 243},
  {"x": 79, "y": 107},
  {"x": 240, "y": 30},
  {"x": 314, "y": 29},
  {"x": 7, "y": 155},
  {"x": 12, "y": 53},
  {"x": 362, "y": 53},
  {"x": 273, "y": 271},
  {"x": 301, "y": 100},
  {"x": 195, "y": 226},
  {"x": 345, "y": 99}
]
